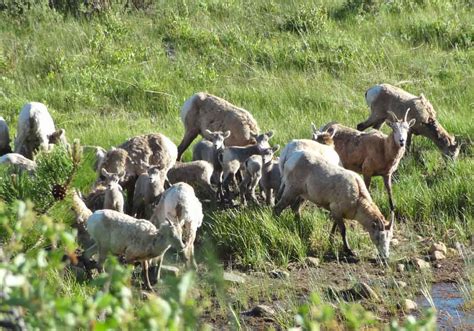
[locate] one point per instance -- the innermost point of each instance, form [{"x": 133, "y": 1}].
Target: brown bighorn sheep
[
  {"x": 4, "y": 137},
  {"x": 148, "y": 189},
  {"x": 208, "y": 150},
  {"x": 135, "y": 239},
  {"x": 233, "y": 157},
  {"x": 195, "y": 173},
  {"x": 113, "y": 198},
  {"x": 373, "y": 153},
  {"x": 153, "y": 149},
  {"x": 384, "y": 98},
  {"x": 204, "y": 111},
  {"x": 180, "y": 205},
  {"x": 340, "y": 191},
  {"x": 36, "y": 130}
]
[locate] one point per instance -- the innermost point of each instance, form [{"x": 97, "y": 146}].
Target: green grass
[{"x": 109, "y": 77}]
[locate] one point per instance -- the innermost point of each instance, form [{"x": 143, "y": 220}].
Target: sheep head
[
  {"x": 382, "y": 233},
  {"x": 323, "y": 137},
  {"x": 217, "y": 138},
  {"x": 400, "y": 127}
]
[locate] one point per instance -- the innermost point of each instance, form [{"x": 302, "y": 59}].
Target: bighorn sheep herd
[{"x": 162, "y": 206}]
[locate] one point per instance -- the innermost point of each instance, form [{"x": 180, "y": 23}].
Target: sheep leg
[
  {"x": 285, "y": 200},
  {"x": 146, "y": 278},
  {"x": 243, "y": 189},
  {"x": 296, "y": 207},
  {"x": 378, "y": 124},
  {"x": 188, "y": 138},
  {"x": 371, "y": 121},
  {"x": 269, "y": 197},
  {"x": 342, "y": 229},
  {"x": 387, "y": 180},
  {"x": 253, "y": 186},
  {"x": 409, "y": 138},
  {"x": 367, "y": 181}
]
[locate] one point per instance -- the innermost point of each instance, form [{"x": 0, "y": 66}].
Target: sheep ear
[
  {"x": 226, "y": 134},
  {"x": 331, "y": 132},
  {"x": 275, "y": 148},
  {"x": 411, "y": 123},
  {"x": 314, "y": 128},
  {"x": 61, "y": 132},
  {"x": 269, "y": 134}
]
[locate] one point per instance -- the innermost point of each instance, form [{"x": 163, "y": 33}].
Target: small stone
[
  {"x": 312, "y": 262},
  {"x": 438, "y": 266},
  {"x": 260, "y": 311},
  {"x": 409, "y": 305},
  {"x": 279, "y": 274},
  {"x": 400, "y": 267},
  {"x": 233, "y": 278},
  {"x": 421, "y": 264},
  {"x": 437, "y": 256},
  {"x": 439, "y": 246}
]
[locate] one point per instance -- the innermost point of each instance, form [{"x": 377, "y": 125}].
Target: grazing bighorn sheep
[
  {"x": 135, "y": 239},
  {"x": 180, "y": 205},
  {"x": 19, "y": 161},
  {"x": 4, "y": 137},
  {"x": 113, "y": 198},
  {"x": 208, "y": 149},
  {"x": 233, "y": 157},
  {"x": 373, "y": 153},
  {"x": 338, "y": 190},
  {"x": 204, "y": 111},
  {"x": 153, "y": 149},
  {"x": 36, "y": 130},
  {"x": 148, "y": 189},
  {"x": 384, "y": 98},
  {"x": 196, "y": 173}
]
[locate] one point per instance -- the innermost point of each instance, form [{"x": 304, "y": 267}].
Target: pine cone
[{"x": 59, "y": 191}]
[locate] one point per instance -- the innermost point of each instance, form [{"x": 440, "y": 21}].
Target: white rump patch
[
  {"x": 187, "y": 107},
  {"x": 372, "y": 94}
]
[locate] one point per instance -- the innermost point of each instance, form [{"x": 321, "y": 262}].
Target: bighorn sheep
[
  {"x": 153, "y": 149},
  {"x": 373, "y": 153},
  {"x": 233, "y": 157},
  {"x": 271, "y": 179},
  {"x": 148, "y": 189},
  {"x": 180, "y": 205},
  {"x": 4, "y": 137},
  {"x": 135, "y": 239},
  {"x": 19, "y": 161},
  {"x": 113, "y": 198},
  {"x": 338, "y": 190},
  {"x": 204, "y": 111},
  {"x": 208, "y": 150},
  {"x": 384, "y": 98},
  {"x": 36, "y": 130},
  {"x": 196, "y": 173}
]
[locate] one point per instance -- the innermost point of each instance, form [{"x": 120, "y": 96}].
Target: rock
[
  {"x": 409, "y": 305},
  {"x": 233, "y": 278},
  {"x": 421, "y": 264},
  {"x": 361, "y": 291},
  {"x": 312, "y": 262},
  {"x": 279, "y": 274},
  {"x": 260, "y": 311},
  {"x": 439, "y": 246},
  {"x": 437, "y": 256},
  {"x": 400, "y": 267},
  {"x": 170, "y": 270}
]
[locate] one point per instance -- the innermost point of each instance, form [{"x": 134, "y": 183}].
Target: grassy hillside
[{"x": 121, "y": 73}]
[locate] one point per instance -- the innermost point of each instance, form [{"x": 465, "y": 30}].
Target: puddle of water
[{"x": 448, "y": 300}]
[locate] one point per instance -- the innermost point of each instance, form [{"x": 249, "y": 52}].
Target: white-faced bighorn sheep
[
  {"x": 384, "y": 98},
  {"x": 36, "y": 130},
  {"x": 180, "y": 205},
  {"x": 204, "y": 111},
  {"x": 135, "y": 239},
  {"x": 338, "y": 190},
  {"x": 208, "y": 149},
  {"x": 373, "y": 153},
  {"x": 4, "y": 137},
  {"x": 113, "y": 198},
  {"x": 153, "y": 149},
  {"x": 148, "y": 189}
]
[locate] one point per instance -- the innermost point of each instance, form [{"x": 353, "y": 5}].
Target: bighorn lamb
[
  {"x": 204, "y": 111},
  {"x": 135, "y": 239},
  {"x": 196, "y": 173},
  {"x": 113, "y": 198},
  {"x": 36, "y": 130},
  {"x": 233, "y": 157},
  {"x": 340, "y": 191},
  {"x": 148, "y": 189},
  {"x": 153, "y": 149},
  {"x": 180, "y": 205},
  {"x": 208, "y": 149},
  {"x": 4, "y": 137},
  {"x": 271, "y": 179},
  {"x": 19, "y": 161},
  {"x": 373, "y": 153},
  {"x": 384, "y": 98}
]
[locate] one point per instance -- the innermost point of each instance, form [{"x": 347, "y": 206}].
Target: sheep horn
[
  {"x": 406, "y": 115},
  {"x": 315, "y": 129},
  {"x": 393, "y": 116}
]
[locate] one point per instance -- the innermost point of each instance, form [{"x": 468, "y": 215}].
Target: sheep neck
[
  {"x": 367, "y": 212},
  {"x": 437, "y": 134},
  {"x": 158, "y": 245},
  {"x": 246, "y": 152},
  {"x": 393, "y": 152}
]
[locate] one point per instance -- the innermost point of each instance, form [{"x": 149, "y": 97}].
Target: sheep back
[{"x": 4, "y": 137}]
